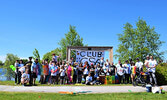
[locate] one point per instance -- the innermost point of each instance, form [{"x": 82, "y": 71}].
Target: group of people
[{"x": 71, "y": 72}]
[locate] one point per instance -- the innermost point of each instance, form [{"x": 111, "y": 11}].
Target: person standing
[
  {"x": 133, "y": 71},
  {"x": 16, "y": 71},
  {"x": 54, "y": 70},
  {"x": 54, "y": 57},
  {"x": 151, "y": 69},
  {"x": 147, "y": 61},
  {"x": 20, "y": 70},
  {"x": 35, "y": 70},
  {"x": 102, "y": 62},
  {"x": 120, "y": 73},
  {"x": 127, "y": 68},
  {"x": 28, "y": 64},
  {"x": 139, "y": 66},
  {"x": 112, "y": 69},
  {"x": 45, "y": 70},
  {"x": 62, "y": 74}
]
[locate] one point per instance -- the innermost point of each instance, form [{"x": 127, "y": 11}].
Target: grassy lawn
[
  {"x": 38, "y": 84},
  {"x": 56, "y": 96}
]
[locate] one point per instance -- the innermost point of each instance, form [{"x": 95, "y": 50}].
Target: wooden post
[{"x": 111, "y": 55}]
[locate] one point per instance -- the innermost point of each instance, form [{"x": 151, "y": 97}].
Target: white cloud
[{"x": 2, "y": 58}]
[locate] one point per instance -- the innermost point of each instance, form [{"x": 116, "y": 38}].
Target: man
[
  {"x": 151, "y": 69},
  {"x": 112, "y": 69},
  {"x": 54, "y": 57},
  {"x": 139, "y": 66},
  {"x": 127, "y": 68},
  {"x": 35, "y": 68},
  {"x": 119, "y": 64},
  {"x": 102, "y": 62},
  {"x": 28, "y": 64}
]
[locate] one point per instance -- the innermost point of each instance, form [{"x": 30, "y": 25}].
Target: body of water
[{"x": 2, "y": 75}]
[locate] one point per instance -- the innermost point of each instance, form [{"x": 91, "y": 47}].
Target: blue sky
[{"x": 29, "y": 24}]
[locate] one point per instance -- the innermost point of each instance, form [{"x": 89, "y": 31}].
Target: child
[
  {"x": 62, "y": 74},
  {"x": 133, "y": 74},
  {"x": 25, "y": 78},
  {"x": 53, "y": 72},
  {"x": 89, "y": 79}
]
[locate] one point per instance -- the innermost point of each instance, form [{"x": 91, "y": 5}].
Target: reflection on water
[
  {"x": 2, "y": 75},
  {"x": 4, "y": 78}
]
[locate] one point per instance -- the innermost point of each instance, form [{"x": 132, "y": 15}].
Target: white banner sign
[{"x": 89, "y": 56}]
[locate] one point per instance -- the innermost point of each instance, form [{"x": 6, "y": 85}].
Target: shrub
[{"x": 161, "y": 74}]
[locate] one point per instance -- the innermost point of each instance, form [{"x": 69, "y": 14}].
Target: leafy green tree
[
  {"x": 72, "y": 38},
  {"x": 139, "y": 42},
  {"x": 10, "y": 60},
  {"x": 48, "y": 55},
  {"x": 1, "y": 63},
  {"x": 36, "y": 54}
]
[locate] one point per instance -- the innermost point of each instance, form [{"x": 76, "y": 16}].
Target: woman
[
  {"x": 45, "y": 70},
  {"x": 62, "y": 74}
]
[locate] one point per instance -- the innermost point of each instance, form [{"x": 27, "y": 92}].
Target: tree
[
  {"x": 48, "y": 55},
  {"x": 139, "y": 42},
  {"x": 10, "y": 60},
  {"x": 36, "y": 54},
  {"x": 72, "y": 38},
  {"x": 1, "y": 63}
]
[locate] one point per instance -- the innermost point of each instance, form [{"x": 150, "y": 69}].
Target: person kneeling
[
  {"x": 25, "y": 78},
  {"x": 89, "y": 80}
]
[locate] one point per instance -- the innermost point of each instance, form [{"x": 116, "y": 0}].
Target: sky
[{"x": 29, "y": 24}]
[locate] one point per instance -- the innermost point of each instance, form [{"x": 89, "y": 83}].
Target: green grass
[
  {"x": 56, "y": 96},
  {"x": 38, "y": 84}
]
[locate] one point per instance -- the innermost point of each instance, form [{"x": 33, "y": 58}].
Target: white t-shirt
[
  {"x": 62, "y": 72},
  {"x": 117, "y": 66},
  {"x": 145, "y": 63},
  {"x": 86, "y": 71},
  {"x": 25, "y": 76},
  {"x": 88, "y": 79},
  {"x": 105, "y": 69},
  {"x": 139, "y": 64},
  {"x": 120, "y": 71},
  {"x": 22, "y": 68},
  {"x": 151, "y": 65}
]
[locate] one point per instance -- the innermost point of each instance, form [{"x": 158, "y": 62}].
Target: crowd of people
[{"x": 54, "y": 72}]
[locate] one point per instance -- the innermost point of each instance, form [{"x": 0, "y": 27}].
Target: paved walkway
[{"x": 93, "y": 89}]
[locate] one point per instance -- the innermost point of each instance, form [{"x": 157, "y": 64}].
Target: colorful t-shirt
[{"x": 133, "y": 69}]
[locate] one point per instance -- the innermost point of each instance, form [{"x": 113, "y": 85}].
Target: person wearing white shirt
[
  {"x": 89, "y": 79},
  {"x": 120, "y": 73},
  {"x": 151, "y": 69},
  {"x": 62, "y": 74},
  {"x": 119, "y": 64},
  {"x": 127, "y": 68},
  {"x": 25, "y": 78},
  {"x": 102, "y": 62},
  {"x": 139, "y": 66}
]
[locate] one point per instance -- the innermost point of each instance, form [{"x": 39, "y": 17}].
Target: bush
[{"x": 161, "y": 74}]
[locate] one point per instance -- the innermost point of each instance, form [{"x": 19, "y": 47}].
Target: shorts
[
  {"x": 34, "y": 75},
  {"x": 62, "y": 77}
]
